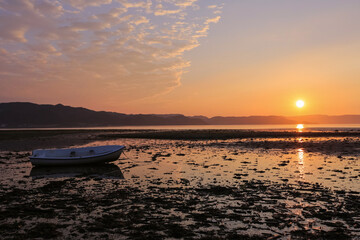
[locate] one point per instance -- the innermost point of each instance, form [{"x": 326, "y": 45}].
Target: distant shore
[{"x": 52, "y": 116}]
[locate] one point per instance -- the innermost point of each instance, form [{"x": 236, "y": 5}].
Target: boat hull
[{"x": 81, "y": 160}]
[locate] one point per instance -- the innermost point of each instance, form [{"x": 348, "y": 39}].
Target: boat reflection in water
[{"x": 107, "y": 171}]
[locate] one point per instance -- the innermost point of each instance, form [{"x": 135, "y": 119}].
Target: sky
[{"x": 193, "y": 57}]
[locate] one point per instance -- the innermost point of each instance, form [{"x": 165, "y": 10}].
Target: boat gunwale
[{"x": 121, "y": 147}]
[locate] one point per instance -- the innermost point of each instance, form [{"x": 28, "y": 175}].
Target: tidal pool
[{"x": 224, "y": 163}]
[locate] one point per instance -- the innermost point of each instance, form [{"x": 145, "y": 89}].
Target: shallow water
[
  {"x": 204, "y": 163},
  {"x": 307, "y": 127}
]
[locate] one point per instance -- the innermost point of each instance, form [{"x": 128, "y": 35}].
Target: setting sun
[{"x": 300, "y": 103}]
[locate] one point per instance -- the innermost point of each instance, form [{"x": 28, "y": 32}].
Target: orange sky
[{"x": 195, "y": 57}]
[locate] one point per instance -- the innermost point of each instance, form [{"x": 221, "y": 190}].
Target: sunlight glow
[
  {"x": 300, "y": 103},
  {"x": 300, "y": 127},
  {"x": 301, "y": 162}
]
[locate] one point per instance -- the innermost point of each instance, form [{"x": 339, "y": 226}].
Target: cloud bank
[{"x": 86, "y": 51}]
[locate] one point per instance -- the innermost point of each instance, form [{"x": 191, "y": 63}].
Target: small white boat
[{"x": 76, "y": 156}]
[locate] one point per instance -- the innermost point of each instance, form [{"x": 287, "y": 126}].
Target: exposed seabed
[{"x": 272, "y": 188}]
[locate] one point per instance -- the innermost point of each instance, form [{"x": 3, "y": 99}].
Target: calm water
[
  {"x": 209, "y": 163},
  {"x": 313, "y": 127}
]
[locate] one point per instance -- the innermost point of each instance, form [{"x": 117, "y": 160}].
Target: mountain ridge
[{"x": 30, "y": 115}]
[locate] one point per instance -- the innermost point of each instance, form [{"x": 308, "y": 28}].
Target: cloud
[
  {"x": 112, "y": 50},
  {"x": 213, "y": 20},
  {"x": 81, "y": 4},
  {"x": 136, "y": 4}
]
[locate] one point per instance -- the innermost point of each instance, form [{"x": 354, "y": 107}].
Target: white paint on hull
[{"x": 76, "y": 156}]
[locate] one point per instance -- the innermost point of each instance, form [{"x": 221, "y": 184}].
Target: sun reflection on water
[
  {"x": 300, "y": 153},
  {"x": 300, "y": 127}
]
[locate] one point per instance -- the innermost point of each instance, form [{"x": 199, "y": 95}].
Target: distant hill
[
  {"x": 251, "y": 120},
  {"x": 325, "y": 119},
  {"x": 309, "y": 119},
  {"x": 25, "y": 115},
  {"x": 19, "y": 114}
]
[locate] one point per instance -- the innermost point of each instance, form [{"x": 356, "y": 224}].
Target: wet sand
[{"x": 271, "y": 187}]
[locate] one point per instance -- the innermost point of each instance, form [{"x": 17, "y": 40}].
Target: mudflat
[{"x": 202, "y": 184}]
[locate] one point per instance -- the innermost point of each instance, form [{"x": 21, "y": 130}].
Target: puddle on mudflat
[{"x": 204, "y": 163}]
